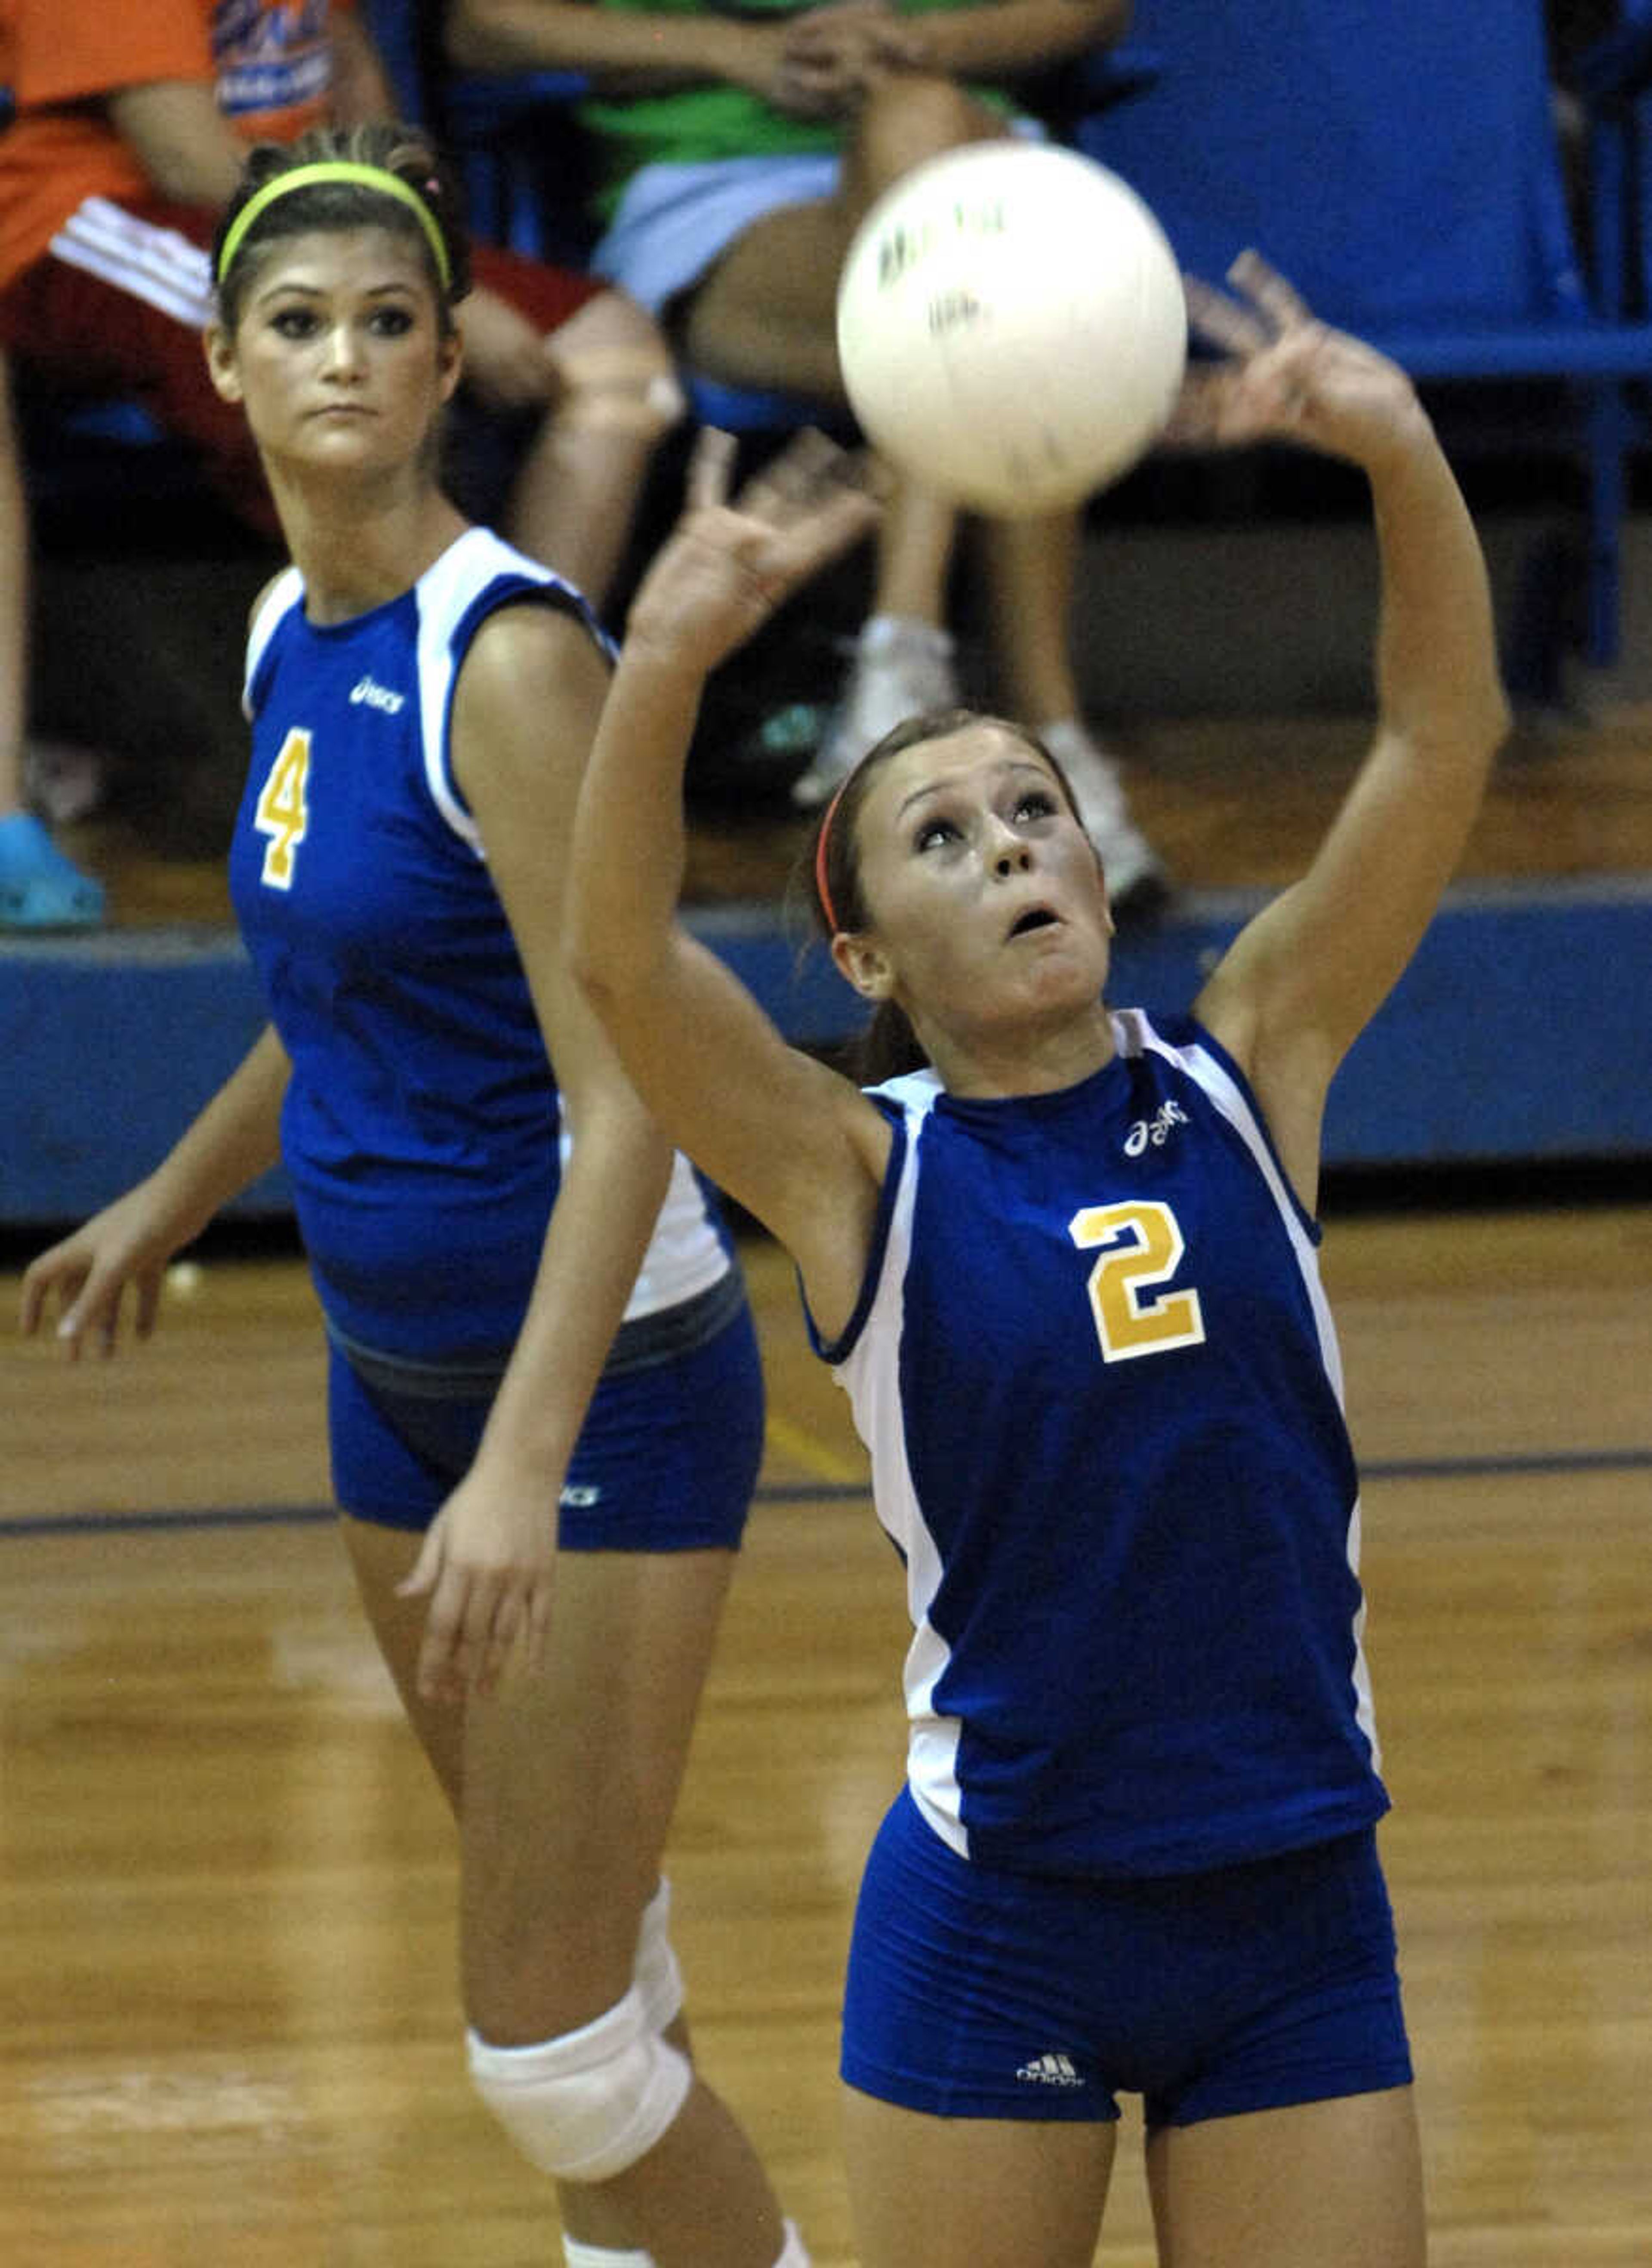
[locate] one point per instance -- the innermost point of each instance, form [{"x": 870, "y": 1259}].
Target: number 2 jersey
[
  {"x": 1095, "y": 1368},
  {"x": 421, "y": 1129}
]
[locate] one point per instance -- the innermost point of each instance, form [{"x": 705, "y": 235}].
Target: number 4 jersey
[
  {"x": 1099, "y": 1380},
  {"x": 422, "y": 1127}
]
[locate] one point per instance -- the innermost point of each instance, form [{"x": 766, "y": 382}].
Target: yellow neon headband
[{"x": 378, "y": 178}]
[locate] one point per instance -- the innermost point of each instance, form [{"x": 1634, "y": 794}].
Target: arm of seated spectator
[
  {"x": 1009, "y": 39},
  {"x": 621, "y": 51},
  {"x": 361, "y": 84},
  {"x": 998, "y": 39},
  {"x": 181, "y": 139}
]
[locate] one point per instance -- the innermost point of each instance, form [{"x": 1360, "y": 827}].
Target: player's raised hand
[
  {"x": 1283, "y": 375},
  {"x": 730, "y": 562}
]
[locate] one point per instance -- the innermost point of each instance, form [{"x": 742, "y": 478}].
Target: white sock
[
  {"x": 594, "y": 2255},
  {"x": 1062, "y": 735},
  {"x": 597, "y": 2256},
  {"x": 879, "y": 633}
]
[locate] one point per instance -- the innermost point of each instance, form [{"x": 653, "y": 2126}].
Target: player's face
[
  {"x": 986, "y": 901},
  {"x": 339, "y": 354}
]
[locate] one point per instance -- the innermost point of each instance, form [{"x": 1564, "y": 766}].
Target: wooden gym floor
[{"x": 230, "y": 2031}]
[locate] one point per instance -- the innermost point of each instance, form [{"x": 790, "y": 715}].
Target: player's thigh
[
  {"x": 782, "y": 270},
  {"x": 610, "y": 326},
  {"x": 588, "y": 1753},
  {"x": 571, "y": 1771},
  {"x": 973, "y": 2192},
  {"x": 570, "y": 1776},
  {"x": 909, "y": 117},
  {"x": 1332, "y": 2185},
  {"x": 382, "y": 1558}
]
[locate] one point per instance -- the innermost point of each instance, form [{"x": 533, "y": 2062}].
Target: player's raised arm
[
  {"x": 792, "y": 1141},
  {"x": 1306, "y": 976}
]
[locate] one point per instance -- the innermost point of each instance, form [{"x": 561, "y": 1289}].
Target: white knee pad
[
  {"x": 657, "y": 1976},
  {"x": 587, "y": 2105}
]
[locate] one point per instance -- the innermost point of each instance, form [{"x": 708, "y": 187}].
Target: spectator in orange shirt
[{"x": 131, "y": 126}]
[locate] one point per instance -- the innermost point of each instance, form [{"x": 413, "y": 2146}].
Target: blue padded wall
[{"x": 1522, "y": 1032}]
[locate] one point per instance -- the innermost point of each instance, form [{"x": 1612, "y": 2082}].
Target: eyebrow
[
  {"x": 1011, "y": 765},
  {"x": 323, "y": 290}
]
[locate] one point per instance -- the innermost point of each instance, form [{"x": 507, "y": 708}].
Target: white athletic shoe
[
  {"x": 900, "y": 669},
  {"x": 1135, "y": 874}
]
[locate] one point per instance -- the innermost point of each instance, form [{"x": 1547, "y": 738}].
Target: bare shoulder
[
  {"x": 530, "y": 689},
  {"x": 527, "y": 645}
]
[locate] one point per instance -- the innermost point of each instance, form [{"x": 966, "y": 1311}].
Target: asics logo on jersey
[
  {"x": 580, "y": 1497},
  {"x": 1155, "y": 1132},
  {"x": 1054, "y": 2069},
  {"x": 365, "y": 694}
]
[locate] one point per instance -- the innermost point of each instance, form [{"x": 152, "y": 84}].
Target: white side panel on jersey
[
  {"x": 285, "y": 592},
  {"x": 445, "y": 590},
  {"x": 871, "y": 1377},
  {"x": 1134, "y": 1032},
  {"x": 685, "y": 1254}
]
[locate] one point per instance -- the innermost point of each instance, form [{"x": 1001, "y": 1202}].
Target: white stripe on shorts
[{"x": 148, "y": 262}]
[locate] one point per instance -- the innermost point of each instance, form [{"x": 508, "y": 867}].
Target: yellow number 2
[
  {"x": 284, "y": 808},
  {"x": 1144, "y": 1248}
]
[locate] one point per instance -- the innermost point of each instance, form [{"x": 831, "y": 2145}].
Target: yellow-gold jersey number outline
[
  {"x": 1142, "y": 1247},
  {"x": 282, "y": 810}
]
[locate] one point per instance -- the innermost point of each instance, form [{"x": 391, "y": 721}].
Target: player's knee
[
  {"x": 657, "y": 1976},
  {"x": 587, "y": 2105},
  {"x": 615, "y": 368},
  {"x": 912, "y": 116}
]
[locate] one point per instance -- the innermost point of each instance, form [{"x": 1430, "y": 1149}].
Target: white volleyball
[{"x": 1011, "y": 326}]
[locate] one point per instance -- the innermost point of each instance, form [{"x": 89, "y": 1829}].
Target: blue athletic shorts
[
  {"x": 667, "y": 1460},
  {"x": 976, "y": 1993}
]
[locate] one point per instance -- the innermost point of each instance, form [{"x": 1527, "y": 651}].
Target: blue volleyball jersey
[
  {"x": 1099, "y": 1382},
  {"x": 421, "y": 1129}
]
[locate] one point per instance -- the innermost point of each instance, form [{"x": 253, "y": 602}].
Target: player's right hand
[{"x": 87, "y": 1277}]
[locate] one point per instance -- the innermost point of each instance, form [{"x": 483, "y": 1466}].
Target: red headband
[{"x": 822, "y": 843}]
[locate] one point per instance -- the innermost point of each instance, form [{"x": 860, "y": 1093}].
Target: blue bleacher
[
  {"x": 1506, "y": 1042},
  {"x": 1400, "y": 160}
]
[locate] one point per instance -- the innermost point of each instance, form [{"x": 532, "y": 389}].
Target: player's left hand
[
  {"x": 730, "y": 562},
  {"x": 1283, "y": 375},
  {"x": 487, "y": 1567}
]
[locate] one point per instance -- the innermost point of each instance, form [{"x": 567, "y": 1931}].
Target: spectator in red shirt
[{"x": 131, "y": 126}]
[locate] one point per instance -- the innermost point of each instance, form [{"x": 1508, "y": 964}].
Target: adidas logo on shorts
[{"x": 1051, "y": 2071}]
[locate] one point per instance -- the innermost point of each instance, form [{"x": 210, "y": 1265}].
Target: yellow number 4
[
  {"x": 284, "y": 808},
  {"x": 1146, "y": 1248}
]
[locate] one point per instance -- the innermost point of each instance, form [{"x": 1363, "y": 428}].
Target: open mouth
[{"x": 1034, "y": 918}]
